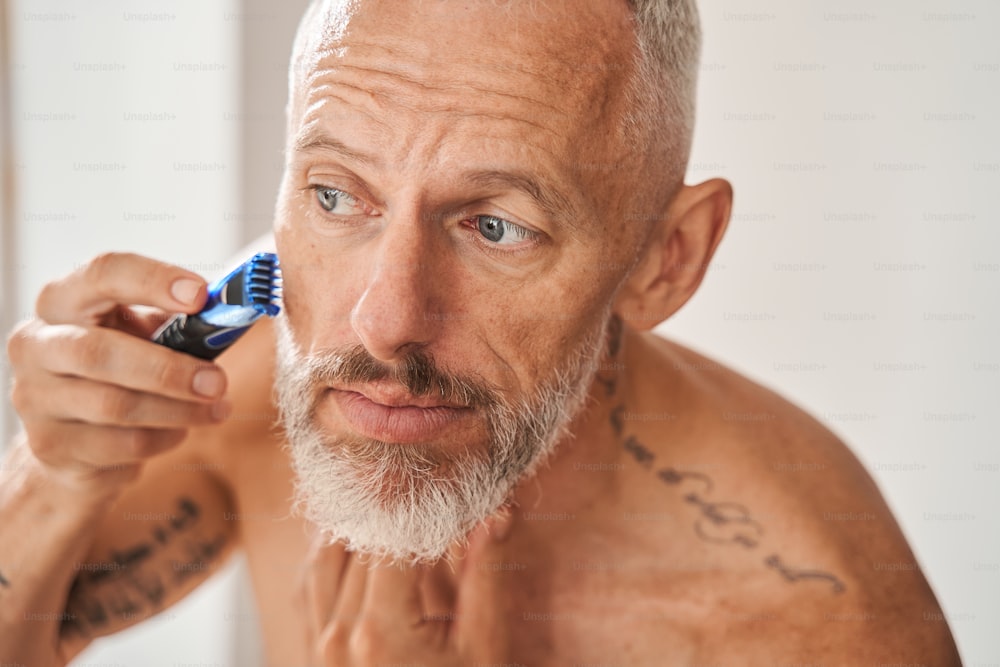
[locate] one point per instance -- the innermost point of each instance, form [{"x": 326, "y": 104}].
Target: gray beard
[{"x": 412, "y": 503}]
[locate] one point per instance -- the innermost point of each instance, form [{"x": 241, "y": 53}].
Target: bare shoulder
[{"x": 816, "y": 566}]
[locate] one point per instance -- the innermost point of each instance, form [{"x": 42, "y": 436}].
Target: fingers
[
  {"x": 96, "y": 397},
  {"x": 325, "y": 566},
  {"x": 380, "y": 612},
  {"x": 482, "y": 600},
  {"x": 79, "y": 447},
  {"x": 351, "y": 594},
  {"x": 114, "y": 357},
  {"x": 78, "y": 400},
  {"x": 438, "y": 592},
  {"x": 109, "y": 280},
  {"x": 393, "y": 594}
]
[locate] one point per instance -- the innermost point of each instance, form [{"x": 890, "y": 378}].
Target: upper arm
[
  {"x": 177, "y": 523},
  {"x": 852, "y": 629}
]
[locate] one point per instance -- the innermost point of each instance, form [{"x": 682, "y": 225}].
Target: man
[{"x": 491, "y": 459}]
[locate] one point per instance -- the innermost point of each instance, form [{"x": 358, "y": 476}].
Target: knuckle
[
  {"x": 168, "y": 373},
  {"x": 47, "y": 295},
  {"x": 117, "y": 405},
  {"x": 139, "y": 443},
  {"x": 103, "y": 266},
  {"x": 333, "y": 643},
  {"x": 89, "y": 351},
  {"x": 366, "y": 640},
  {"x": 44, "y": 444},
  {"x": 20, "y": 397},
  {"x": 17, "y": 341}
]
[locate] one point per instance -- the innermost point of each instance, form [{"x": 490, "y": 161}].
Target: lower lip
[{"x": 396, "y": 424}]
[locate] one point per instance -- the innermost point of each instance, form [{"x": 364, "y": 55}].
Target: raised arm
[{"x": 104, "y": 520}]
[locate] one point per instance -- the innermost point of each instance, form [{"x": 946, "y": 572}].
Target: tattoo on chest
[
  {"x": 719, "y": 522},
  {"x": 133, "y": 582}
]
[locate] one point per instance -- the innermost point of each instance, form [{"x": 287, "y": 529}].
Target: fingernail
[
  {"x": 185, "y": 290},
  {"x": 221, "y": 410},
  {"x": 208, "y": 383}
]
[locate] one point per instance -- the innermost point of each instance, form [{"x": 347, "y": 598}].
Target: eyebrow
[
  {"x": 549, "y": 199},
  {"x": 311, "y": 142}
]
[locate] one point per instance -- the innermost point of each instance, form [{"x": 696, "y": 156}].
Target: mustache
[{"x": 417, "y": 372}]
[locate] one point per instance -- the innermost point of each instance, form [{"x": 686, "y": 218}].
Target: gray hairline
[{"x": 660, "y": 96}]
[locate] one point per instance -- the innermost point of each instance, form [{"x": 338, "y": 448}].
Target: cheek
[
  {"x": 546, "y": 321},
  {"x": 312, "y": 288}
]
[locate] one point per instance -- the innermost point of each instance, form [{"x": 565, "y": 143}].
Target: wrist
[{"x": 72, "y": 492}]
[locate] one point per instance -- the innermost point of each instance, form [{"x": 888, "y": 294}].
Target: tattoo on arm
[
  {"x": 123, "y": 588},
  {"x": 718, "y": 522},
  {"x": 3, "y": 581}
]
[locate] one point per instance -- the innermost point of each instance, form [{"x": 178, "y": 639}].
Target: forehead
[{"x": 553, "y": 68}]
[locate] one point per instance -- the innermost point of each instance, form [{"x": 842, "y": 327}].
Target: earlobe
[{"x": 677, "y": 255}]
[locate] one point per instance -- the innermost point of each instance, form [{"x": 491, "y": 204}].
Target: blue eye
[
  {"x": 330, "y": 199},
  {"x": 500, "y": 231}
]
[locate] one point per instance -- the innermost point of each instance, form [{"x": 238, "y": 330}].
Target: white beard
[{"x": 411, "y": 503}]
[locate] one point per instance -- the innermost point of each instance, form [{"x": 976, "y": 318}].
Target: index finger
[
  {"x": 393, "y": 594},
  {"x": 114, "y": 279}
]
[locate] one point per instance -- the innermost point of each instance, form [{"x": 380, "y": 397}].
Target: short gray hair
[{"x": 661, "y": 95}]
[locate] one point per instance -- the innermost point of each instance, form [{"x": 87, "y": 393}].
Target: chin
[{"x": 394, "y": 502}]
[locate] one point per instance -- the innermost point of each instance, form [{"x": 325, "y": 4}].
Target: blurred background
[{"x": 860, "y": 276}]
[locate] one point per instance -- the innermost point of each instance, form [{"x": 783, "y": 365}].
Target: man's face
[{"x": 451, "y": 229}]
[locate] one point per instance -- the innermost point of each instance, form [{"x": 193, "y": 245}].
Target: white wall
[{"x": 860, "y": 276}]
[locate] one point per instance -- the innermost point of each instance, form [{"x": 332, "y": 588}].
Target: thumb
[{"x": 482, "y": 611}]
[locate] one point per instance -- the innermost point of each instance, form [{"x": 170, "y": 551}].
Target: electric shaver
[{"x": 234, "y": 303}]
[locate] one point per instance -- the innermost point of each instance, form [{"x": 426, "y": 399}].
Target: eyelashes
[{"x": 491, "y": 231}]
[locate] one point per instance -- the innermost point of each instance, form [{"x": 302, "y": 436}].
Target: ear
[{"x": 677, "y": 254}]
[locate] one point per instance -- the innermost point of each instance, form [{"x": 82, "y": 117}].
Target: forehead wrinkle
[
  {"x": 374, "y": 79},
  {"x": 321, "y": 97},
  {"x": 365, "y": 94}
]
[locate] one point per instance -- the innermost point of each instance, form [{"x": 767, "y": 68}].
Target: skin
[{"x": 667, "y": 529}]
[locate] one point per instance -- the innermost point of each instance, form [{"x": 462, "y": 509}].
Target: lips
[
  {"x": 393, "y": 415},
  {"x": 394, "y": 396}
]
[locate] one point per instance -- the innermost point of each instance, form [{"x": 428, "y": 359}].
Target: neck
[{"x": 582, "y": 469}]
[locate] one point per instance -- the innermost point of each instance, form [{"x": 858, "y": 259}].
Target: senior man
[{"x": 484, "y": 455}]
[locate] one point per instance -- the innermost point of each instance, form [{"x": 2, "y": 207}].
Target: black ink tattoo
[
  {"x": 610, "y": 384},
  {"x": 150, "y": 586},
  {"x": 720, "y": 522},
  {"x": 725, "y": 522},
  {"x": 639, "y": 452},
  {"x": 674, "y": 477},
  {"x": 200, "y": 553},
  {"x": 617, "y": 419},
  {"x": 615, "y": 330},
  {"x": 3, "y": 581},
  {"x": 132, "y": 556},
  {"x": 189, "y": 513},
  {"x": 121, "y": 589},
  {"x": 774, "y": 561}
]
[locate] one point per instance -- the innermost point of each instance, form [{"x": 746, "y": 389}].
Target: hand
[
  {"x": 96, "y": 396},
  {"x": 363, "y": 614}
]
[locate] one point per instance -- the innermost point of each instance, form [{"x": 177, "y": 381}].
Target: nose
[{"x": 391, "y": 318}]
